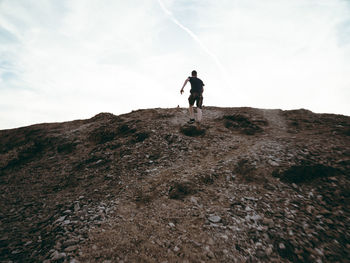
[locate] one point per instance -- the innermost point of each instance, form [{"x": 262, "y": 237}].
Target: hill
[{"x": 251, "y": 185}]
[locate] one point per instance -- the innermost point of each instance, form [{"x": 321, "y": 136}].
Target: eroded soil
[{"x": 250, "y": 185}]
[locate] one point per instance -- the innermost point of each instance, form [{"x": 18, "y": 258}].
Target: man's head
[{"x": 194, "y": 73}]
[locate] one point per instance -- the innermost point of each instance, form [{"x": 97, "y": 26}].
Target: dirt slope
[{"x": 251, "y": 185}]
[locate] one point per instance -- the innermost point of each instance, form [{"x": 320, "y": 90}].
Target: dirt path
[{"x": 277, "y": 122}]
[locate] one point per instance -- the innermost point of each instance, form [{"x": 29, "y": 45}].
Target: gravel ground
[{"x": 248, "y": 185}]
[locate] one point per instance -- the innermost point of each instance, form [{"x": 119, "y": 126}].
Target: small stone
[
  {"x": 28, "y": 243},
  {"x": 209, "y": 253},
  {"x": 273, "y": 163},
  {"x": 324, "y": 211},
  {"x": 319, "y": 252},
  {"x": 329, "y": 221},
  {"x": 248, "y": 209},
  {"x": 211, "y": 242},
  {"x": 94, "y": 247},
  {"x": 268, "y": 251},
  {"x": 251, "y": 198},
  {"x": 194, "y": 200},
  {"x": 268, "y": 222},
  {"x": 258, "y": 244},
  {"x": 294, "y": 186},
  {"x": 214, "y": 219},
  {"x": 260, "y": 253},
  {"x": 171, "y": 224},
  {"x": 309, "y": 209},
  {"x": 224, "y": 237},
  {"x": 57, "y": 256},
  {"x": 70, "y": 242},
  {"x": 65, "y": 222},
  {"x": 256, "y": 217},
  {"x": 58, "y": 245},
  {"x": 71, "y": 248},
  {"x": 176, "y": 249},
  {"x": 281, "y": 246},
  {"x": 109, "y": 176},
  {"x": 61, "y": 219},
  {"x": 76, "y": 207}
]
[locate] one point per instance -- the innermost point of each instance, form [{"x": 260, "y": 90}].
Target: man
[{"x": 196, "y": 96}]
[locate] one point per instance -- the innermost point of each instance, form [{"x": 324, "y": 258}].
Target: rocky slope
[{"x": 250, "y": 185}]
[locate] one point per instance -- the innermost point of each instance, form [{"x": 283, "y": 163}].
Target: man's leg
[
  {"x": 199, "y": 108},
  {"x": 199, "y": 114},
  {"x": 191, "y": 102},
  {"x": 191, "y": 112}
]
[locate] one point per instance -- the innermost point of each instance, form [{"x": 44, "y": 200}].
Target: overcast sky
[{"x": 71, "y": 59}]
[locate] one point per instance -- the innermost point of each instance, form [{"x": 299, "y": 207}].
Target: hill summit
[{"x": 250, "y": 185}]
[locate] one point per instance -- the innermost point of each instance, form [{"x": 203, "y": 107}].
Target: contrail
[{"x": 195, "y": 37}]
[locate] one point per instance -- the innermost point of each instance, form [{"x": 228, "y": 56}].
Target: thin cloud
[{"x": 196, "y": 38}]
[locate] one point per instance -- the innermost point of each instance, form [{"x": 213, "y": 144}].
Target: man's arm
[{"x": 182, "y": 89}]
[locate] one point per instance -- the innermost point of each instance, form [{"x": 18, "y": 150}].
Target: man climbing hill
[{"x": 196, "y": 96}]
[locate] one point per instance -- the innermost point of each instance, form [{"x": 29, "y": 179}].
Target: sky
[{"x": 62, "y": 60}]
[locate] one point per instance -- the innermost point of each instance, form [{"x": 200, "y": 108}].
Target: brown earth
[{"x": 250, "y": 185}]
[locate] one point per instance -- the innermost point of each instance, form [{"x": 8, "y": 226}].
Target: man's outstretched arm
[{"x": 182, "y": 89}]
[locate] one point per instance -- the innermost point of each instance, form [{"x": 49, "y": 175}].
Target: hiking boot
[{"x": 191, "y": 121}]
